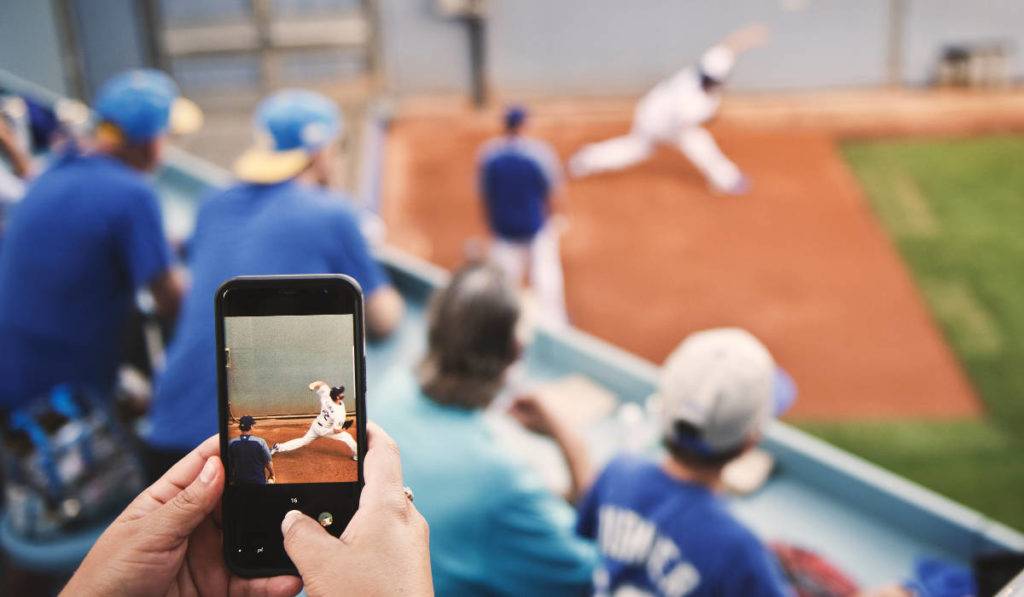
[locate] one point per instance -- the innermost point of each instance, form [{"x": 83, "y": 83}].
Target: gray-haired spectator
[{"x": 494, "y": 529}]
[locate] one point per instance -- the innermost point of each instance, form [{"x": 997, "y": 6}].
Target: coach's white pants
[
  {"x": 315, "y": 431},
  {"x": 696, "y": 143},
  {"x": 545, "y": 265}
]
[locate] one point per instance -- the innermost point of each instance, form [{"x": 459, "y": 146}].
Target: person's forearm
[
  {"x": 21, "y": 164},
  {"x": 168, "y": 290},
  {"x": 576, "y": 458},
  {"x": 384, "y": 310},
  {"x": 745, "y": 38}
]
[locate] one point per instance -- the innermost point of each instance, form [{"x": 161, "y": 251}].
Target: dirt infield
[
  {"x": 324, "y": 460},
  {"x": 651, "y": 255}
]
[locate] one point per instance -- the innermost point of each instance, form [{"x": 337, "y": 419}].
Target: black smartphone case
[{"x": 276, "y": 498}]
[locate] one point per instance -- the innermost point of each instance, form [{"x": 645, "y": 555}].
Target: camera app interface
[{"x": 291, "y": 399}]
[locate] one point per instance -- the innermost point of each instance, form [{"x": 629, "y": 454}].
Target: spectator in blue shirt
[
  {"x": 494, "y": 529},
  {"x": 659, "y": 527},
  {"x": 519, "y": 178},
  {"x": 84, "y": 239},
  {"x": 277, "y": 219}
]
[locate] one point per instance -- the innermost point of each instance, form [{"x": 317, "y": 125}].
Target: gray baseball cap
[{"x": 725, "y": 384}]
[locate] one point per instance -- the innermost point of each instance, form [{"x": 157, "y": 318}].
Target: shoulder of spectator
[
  {"x": 625, "y": 464},
  {"x": 511, "y": 482},
  {"x": 134, "y": 183},
  {"x": 326, "y": 203},
  {"x": 212, "y": 201}
]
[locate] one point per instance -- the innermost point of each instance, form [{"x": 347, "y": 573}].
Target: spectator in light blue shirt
[{"x": 494, "y": 529}]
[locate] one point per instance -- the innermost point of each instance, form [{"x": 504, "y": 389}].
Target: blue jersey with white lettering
[
  {"x": 662, "y": 536},
  {"x": 517, "y": 176}
]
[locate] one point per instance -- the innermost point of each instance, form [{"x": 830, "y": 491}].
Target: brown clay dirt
[
  {"x": 323, "y": 461},
  {"x": 651, "y": 255}
]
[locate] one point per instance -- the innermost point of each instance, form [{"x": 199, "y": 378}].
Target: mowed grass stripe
[{"x": 955, "y": 209}]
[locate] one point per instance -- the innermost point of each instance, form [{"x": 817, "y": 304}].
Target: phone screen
[{"x": 292, "y": 410}]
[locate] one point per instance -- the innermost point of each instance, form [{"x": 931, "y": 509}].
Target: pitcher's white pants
[
  {"x": 696, "y": 143},
  {"x": 315, "y": 431},
  {"x": 540, "y": 254}
]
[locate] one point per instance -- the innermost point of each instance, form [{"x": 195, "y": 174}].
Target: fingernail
[
  {"x": 209, "y": 470},
  {"x": 289, "y": 520}
]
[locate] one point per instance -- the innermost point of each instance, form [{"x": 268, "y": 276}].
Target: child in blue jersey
[{"x": 659, "y": 526}]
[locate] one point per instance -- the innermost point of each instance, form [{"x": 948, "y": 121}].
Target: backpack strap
[
  {"x": 21, "y": 421},
  {"x": 62, "y": 402}
]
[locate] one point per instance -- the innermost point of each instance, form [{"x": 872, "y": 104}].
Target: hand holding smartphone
[{"x": 291, "y": 389}]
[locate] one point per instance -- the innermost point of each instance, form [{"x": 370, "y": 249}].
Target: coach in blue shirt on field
[
  {"x": 519, "y": 178},
  {"x": 250, "y": 457},
  {"x": 278, "y": 219},
  {"x": 88, "y": 235}
]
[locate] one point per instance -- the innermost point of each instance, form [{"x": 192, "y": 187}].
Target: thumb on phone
[{"x": 307, "y": 543}]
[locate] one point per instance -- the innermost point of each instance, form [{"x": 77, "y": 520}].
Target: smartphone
[{"x": 291, "y": 372}]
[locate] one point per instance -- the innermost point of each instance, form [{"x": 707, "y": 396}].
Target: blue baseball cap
[
  {"x": 144, "y": 104},
  {"x": 291, "y": 126},
  {"x": 246, "y": 422},
  {"x": 783, "y": 392},
  {"x": 515, "y": 116}
]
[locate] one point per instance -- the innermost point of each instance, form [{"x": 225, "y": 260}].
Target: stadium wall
[
  {"x": 273, "y": 360},
  {"x": 609, "y": 47},
  {"x": 421, "y": 51},
  {"x": 29, "y": 46},
  {"x": 109, "y": 39}
]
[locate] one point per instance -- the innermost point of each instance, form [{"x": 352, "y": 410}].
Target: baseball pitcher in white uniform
[
  {"x": 673, "y": 113},
  {"x": 330, "y": 423}
]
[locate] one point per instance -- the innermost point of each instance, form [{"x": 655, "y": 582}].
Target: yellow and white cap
[{"x": 291, "y": 125}]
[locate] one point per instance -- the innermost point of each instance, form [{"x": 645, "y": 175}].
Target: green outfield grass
[{"x": 955, "y": 210}]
